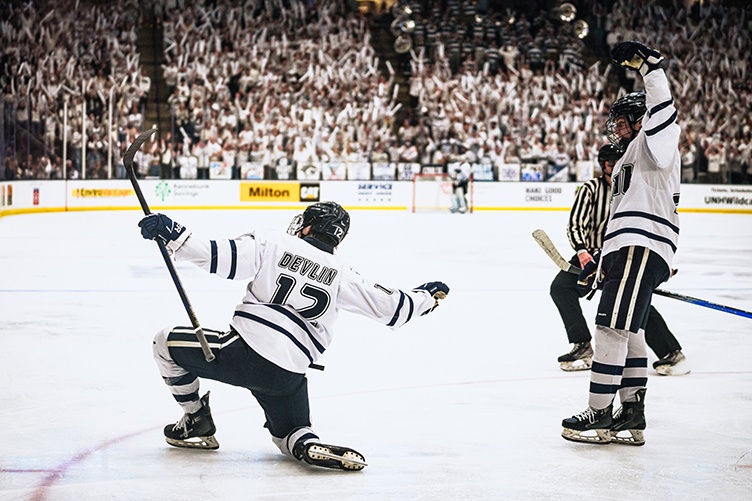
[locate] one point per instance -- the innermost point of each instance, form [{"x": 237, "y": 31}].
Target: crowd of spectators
[
  {"x": 275, "y": 83},
  {"x": 73, "y": 55},
  {"x": 294, "y": 82},
  {"x": 534, "y": 100},
  {"x": 708, "y": 47}
]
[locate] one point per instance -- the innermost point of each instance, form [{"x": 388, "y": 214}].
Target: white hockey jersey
[
  {"x": 295, "y": 293},
  {"x": 646, "y": 180}
]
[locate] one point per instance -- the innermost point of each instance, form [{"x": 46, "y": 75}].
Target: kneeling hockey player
[{"x": 283, "y": 325}]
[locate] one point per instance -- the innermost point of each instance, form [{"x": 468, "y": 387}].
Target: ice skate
[
  {"x": 579, "y": 359},
  {"x": 591, "y": 426},
  {"x": 629, "y": 422},
  {"x": 194, "y": 431},
  {"x": 673, "y": 364},
  {"x": 329, "y": 456}
]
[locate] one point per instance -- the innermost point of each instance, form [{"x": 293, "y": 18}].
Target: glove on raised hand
[
  {"x": 437, "y": 290},
  {"x": 172, "y": 234},
  {"x": 637, "y": 57},
  {"x": 588, "y": 276}
]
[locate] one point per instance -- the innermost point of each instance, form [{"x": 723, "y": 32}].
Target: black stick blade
[{"x": 134, "y": 147}]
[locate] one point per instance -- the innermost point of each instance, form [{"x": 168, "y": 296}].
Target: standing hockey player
[
  {"x": 638, "y": 249},
  {"x": 283, "y": 325},
  {"x": 460, "y": 179},
  {"x": 585, "y": 229}
]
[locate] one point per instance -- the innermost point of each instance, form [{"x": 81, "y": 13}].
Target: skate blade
[
  {"x": 207, "y": 443},
  {"x": 628, "y": 437},
  {"x": 601, "y": 436},
  {"x": 679, "y": 369},
  {"x": 349, "y": 460},
  {"x": 583, "y": 364}
]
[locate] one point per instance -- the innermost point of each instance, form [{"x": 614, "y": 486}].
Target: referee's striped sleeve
[
  {"x": 579, "y": 219},
  {"x": 589, "y": 215}
]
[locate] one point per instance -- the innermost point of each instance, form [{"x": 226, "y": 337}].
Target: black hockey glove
[
  {"x": 168, "y": 231},
  {"x": 588, "y": 276},
  {"x": 437, "y": 290},
  {"x": 636, "y": 56}
]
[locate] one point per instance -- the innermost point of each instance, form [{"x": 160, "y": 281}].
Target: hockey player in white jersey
[
  {"x": 296, "y": 287},
  {"x": 638, "y": 249}
]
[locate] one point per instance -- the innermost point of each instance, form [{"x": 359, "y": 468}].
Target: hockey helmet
[
  {"x": 630, "y": 106},
  {"x": 329, "y": 222},
  {"x": 609, "y": 153}
]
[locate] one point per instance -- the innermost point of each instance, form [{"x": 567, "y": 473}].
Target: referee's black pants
[{"x": 564, "y": 293}]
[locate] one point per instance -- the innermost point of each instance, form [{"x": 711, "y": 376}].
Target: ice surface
[{"x": 465, "y": 403}]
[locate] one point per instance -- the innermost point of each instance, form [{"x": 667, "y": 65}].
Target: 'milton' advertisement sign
[{"x": 279, "y": 192}]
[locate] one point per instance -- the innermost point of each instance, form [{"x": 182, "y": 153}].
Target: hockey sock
[
  {"x": 635, "y": 374},
  {"x": 183, "y": 385},
  {"x": 608, "y": 365}
]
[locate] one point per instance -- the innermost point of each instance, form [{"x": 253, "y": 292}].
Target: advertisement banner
[
  {"x": 220, "y": 170},
  {"x": 270, "y": 192},
  {"x": 509, "y": 172},
  {"x": 375, "y": 192},
  {"x": 310, "y": 172},
  {"x": 180, "y": 192},
  {"x": 715, "y": 198},
  {"x": 359, "y": 171},
  {"x": 405, "y": 172},
  {"x": 384, "y": 171},
  {"x": 310, "y": 192},
  {"x": 252, "y": 170},
  {"x": 483, "y": 172},
  {"x": 334, "y": 171}
]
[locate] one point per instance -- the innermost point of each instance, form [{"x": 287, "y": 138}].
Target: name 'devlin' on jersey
[{"x": 306, "y": 267}]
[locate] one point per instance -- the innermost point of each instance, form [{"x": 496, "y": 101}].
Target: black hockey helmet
[
  {"x": 630, "y": 106},
  {"x": 609, "y": 153},
  {"x": 329, "y": 222}
]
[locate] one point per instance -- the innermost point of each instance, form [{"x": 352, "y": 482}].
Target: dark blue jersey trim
[
  {"x": 213, "y": 265},
  {"x": 298, "y": 321},
  {"x": 658, "y": 128},
  {"x": 665, "y": 104},
  {"x": 397, "y": 312},
  {"x": 646, "y": 215},
  {"x": 233, "y": 259},
  {"x": 644, "y": 233},
  {"x": 262, "y": 321}
]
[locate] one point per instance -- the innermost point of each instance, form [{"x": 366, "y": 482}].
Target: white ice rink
[{"x": 465, "y": 403}]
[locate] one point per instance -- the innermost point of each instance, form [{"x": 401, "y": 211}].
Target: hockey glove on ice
[
  {"x": 172, "y": 234},
  {"x": 437, "y": 290},
  {"x": 636, "y": 56},
  {"x": 587, "y": 278}
]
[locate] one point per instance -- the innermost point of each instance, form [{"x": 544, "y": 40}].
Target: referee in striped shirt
[{"x": 585, "y": 230}]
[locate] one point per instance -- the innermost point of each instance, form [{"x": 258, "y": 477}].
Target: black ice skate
[
  {"x": 579, "y": 359},
  {"x": 194, "y": 431},
  {"x": 329, "y": 456},
  {"x": 673, "y": 364},
  {"x": 591, "y": 426},
  {"x": 629, "y": 422}
]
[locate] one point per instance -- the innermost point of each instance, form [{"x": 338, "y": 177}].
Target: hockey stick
[
  {"x": 128, "y": 163},
  {"x": 548, "y": 247}
]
